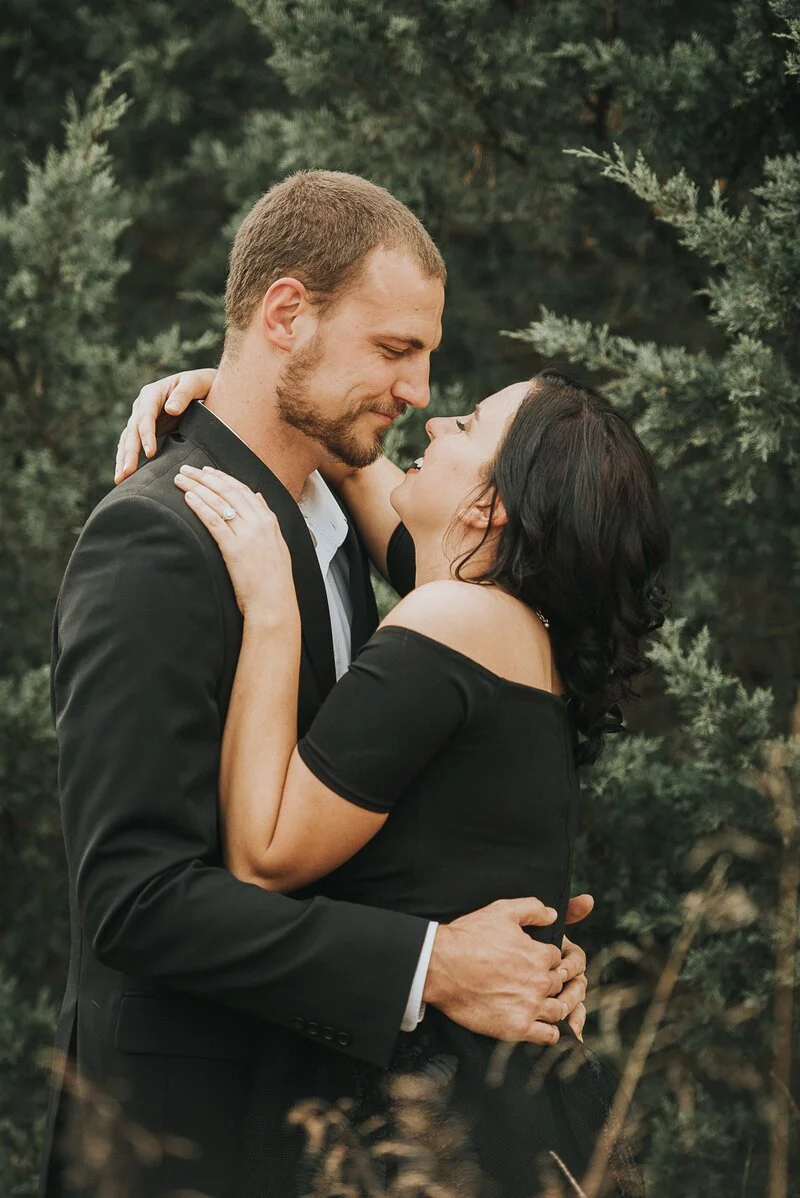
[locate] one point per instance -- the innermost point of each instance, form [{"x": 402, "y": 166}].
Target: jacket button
[
  {"x": 327, "y": 1033},
  {"x": 312, "y": 1028},
  {"x": 344, "y": 1038},
  {"x": 299, "y": 1024}
]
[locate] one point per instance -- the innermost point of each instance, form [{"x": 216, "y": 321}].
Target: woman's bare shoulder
[{"x": 481, "y": 622}]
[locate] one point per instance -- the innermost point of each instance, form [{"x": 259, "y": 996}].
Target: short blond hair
[{"x": 319, "y": 227}]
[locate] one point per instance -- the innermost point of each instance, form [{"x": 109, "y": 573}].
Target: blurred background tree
[{"x": 671, "y": 278}]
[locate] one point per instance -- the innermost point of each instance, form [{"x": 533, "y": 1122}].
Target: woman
[{"x": 441, "y": 772}]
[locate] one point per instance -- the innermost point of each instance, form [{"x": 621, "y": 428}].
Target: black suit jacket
[{"x": 183, "y": 980}]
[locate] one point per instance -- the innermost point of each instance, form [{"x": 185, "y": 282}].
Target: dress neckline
[{"x": 561, "y": 700}]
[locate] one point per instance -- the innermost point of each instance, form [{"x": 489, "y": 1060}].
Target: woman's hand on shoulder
[
  {"x": 156, "y": 411},
  {"x": 251, "y": 542}
]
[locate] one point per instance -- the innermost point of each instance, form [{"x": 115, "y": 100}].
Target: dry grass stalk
[
  {"x": 775, "y": 782},
  {"x": 104, "y": 1151},
  {"x": 697, "y": 904}
]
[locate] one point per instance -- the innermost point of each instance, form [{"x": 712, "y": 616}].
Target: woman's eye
[{"x": 462, "y": 428}]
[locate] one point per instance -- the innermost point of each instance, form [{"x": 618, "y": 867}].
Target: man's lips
[{"x": 389, "y": 417}]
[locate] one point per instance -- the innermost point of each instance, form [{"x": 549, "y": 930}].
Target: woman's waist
[{"x": 442, "y": 897}]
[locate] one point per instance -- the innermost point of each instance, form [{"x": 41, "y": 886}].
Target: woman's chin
[{"x": 396, "y": 498}]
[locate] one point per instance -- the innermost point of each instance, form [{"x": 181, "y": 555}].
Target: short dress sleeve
[
  {"x": 400, "y": 702},
  {"x": 401, "y": 560}
]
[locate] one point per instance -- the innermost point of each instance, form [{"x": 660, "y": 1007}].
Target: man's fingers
[
  {"x": 573, "y": 960},
  {"x": 527, "y": 912},
  {"x": 542, "y": 1033},
  {"x": 573, "y": 993},
  {"x": 553, "y": 1010},
  {"x": 577, "y": 1020},
  {"x": 579, "y": 907}
]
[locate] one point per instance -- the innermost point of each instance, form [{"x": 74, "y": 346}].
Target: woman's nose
[{"x": 438, "y": 425}]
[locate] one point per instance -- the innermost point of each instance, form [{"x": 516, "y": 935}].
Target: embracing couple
[{"x": 310, "y": 856}]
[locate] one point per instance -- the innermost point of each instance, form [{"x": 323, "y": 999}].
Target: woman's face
[{"x": 443, "y": 482}]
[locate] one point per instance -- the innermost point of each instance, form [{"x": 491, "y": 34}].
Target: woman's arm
[
  {"x": 367, "y": 496},
  {"x": 159, "y": 405},
  {"x": 282, "y": 828}
]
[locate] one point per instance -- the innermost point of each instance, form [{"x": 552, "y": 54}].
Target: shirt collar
[{"x": 324, "y": 517}]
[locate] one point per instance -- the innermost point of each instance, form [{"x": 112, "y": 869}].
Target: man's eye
[
  {"x": 462, "y": 428},
  {"x": 393, "y": 353}
]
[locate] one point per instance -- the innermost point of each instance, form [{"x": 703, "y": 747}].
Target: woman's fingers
[
  {"x": 155, "y": 412},
  {"x": 250, "y": 540},
  {"x": 219, "y": 504},
  {"x": 228, "y": 491},
  {"x": 128, "y": 451},
  {"x": 186, "y": 386},
  {"x": 219, "y": 528},
  {"x": 148, "y": 405}
]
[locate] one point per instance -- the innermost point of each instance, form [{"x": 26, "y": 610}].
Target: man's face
[{"x": 368, "y": 360}]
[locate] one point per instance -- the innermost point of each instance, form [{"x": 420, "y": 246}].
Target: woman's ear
[{"x": 486, "y": 511}]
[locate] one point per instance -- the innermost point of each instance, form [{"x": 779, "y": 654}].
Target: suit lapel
[
  {"x": 362, "y": 596},
  {"x": 230, "y": 454}
]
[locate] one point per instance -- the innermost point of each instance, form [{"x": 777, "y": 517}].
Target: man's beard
[{"x": 337, "y": 435}]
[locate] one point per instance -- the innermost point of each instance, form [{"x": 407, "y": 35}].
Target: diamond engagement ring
[{"x": 229, "y": 514}]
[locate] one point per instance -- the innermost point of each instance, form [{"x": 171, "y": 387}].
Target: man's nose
[{"x": 413, "y": 385}]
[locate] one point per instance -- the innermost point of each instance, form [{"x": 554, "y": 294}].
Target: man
[{"x": 183, "y": 980}]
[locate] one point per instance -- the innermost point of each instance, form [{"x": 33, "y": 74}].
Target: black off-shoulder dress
[{"x": 477, "y": 774}]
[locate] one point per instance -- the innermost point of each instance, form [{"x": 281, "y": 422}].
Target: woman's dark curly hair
[{"x": 585, "y": 545}]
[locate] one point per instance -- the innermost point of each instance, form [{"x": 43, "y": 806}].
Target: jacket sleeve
[{"x": 139, "y": 659}]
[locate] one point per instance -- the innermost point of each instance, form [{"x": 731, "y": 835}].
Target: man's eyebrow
[{"x": 413, "y": 342}]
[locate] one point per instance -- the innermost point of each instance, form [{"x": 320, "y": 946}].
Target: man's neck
[{"x": 253, "y": 416}]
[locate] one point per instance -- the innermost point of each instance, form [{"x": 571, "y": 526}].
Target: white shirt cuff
[{"x": 415, "y": 1007}]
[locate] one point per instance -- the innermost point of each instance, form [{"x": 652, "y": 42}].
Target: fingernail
[
  {"x": 564, "y": 1010},
  {"x": 149, "y": 448},
  {"x": 192, "y": 471},
  {"x": 173, "y": 405},
  {"x": 563, "y": 974},
  {"x": 551, "y": 911}
]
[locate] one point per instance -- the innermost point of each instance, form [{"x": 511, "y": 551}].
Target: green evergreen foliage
[
  {"x": 60, "y": 366},
  {"x": 660, "y": 256}
]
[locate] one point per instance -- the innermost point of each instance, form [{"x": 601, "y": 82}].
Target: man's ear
[
  {"x": 484, "y": 511},
  {"x": 283, "y": 308}
]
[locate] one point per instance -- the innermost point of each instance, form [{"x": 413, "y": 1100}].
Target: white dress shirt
[{"x": 328, "y": 527}]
